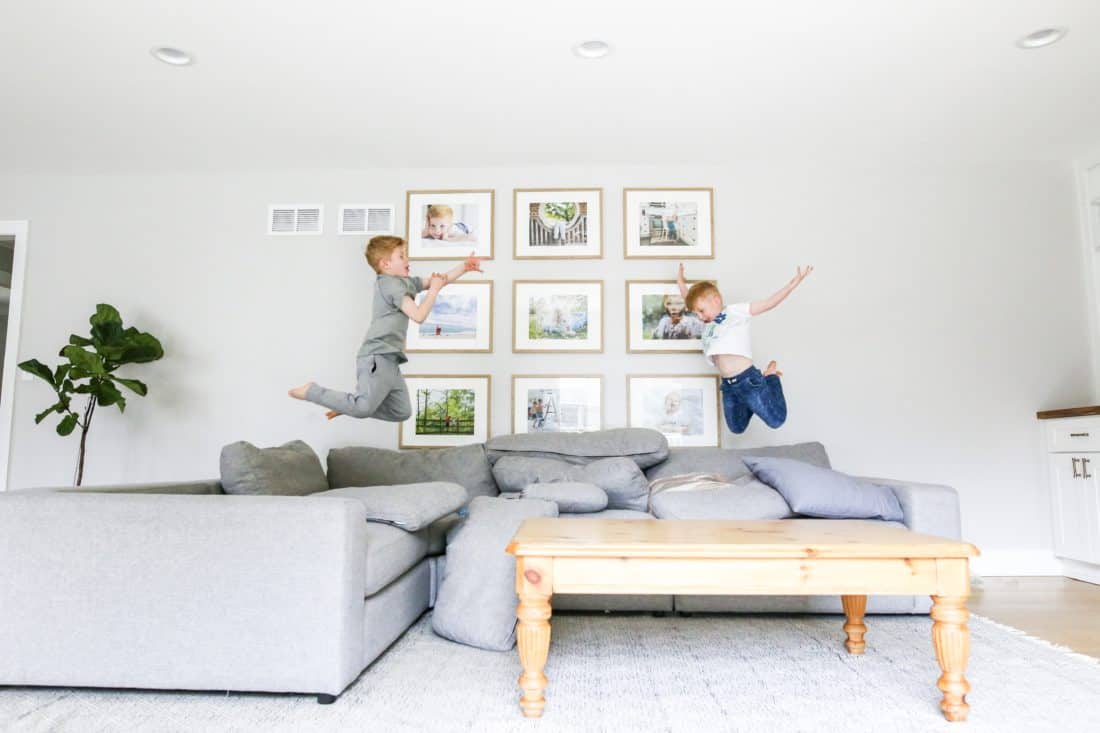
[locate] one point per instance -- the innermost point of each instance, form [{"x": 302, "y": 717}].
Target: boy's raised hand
[
  {"x": 472, "y": 264},
  {"x": 801, "y": 274},
  {"x": 680, "y": 274},
  {"x": 436, "y": 282}
]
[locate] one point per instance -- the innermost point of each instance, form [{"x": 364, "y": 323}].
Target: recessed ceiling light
[
  {"x": 1042, "y": 37},
  {"x": 592, "y": 49},
  {"x": 172, "y": 56}
]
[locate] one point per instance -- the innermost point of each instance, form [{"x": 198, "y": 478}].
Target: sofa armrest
[
  {"x": 928, "y": 508},
  {"x": 182, "y": 591},
  {"x": 200, "y": 486}
]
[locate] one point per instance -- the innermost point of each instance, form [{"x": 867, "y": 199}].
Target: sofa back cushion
[
  {"x": 644, "y": 446},
  {"x": 363, "y": 466},
  {"x": 291, "y": 469},
  {"x": 620, "y": 477},
  {"x": 726, "y": 462}
]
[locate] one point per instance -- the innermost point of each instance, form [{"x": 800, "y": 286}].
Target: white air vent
[
  {"x": 294, "y": 219},
  {"x": 366, "y": 219}
]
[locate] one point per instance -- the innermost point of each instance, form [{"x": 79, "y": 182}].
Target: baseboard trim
[
  {"x": 1081, "y": 571},
  {"x": 1016, "y": 562}
]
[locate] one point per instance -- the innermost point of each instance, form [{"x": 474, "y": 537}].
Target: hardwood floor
[{"x": 1059, "y": 610}]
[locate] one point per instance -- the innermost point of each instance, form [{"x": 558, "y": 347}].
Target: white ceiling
[{"x": 333, "y": 83}]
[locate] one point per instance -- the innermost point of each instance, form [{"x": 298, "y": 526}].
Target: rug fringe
[{"x": 1093, "y": 661}]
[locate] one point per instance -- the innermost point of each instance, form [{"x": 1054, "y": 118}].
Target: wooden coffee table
[{"x": 849, "y": 558}]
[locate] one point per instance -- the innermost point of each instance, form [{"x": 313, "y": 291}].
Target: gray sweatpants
[{"x": 380, "y": 391}]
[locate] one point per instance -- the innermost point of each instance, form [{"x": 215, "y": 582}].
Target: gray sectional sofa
[{"x": 180, "y": 586}]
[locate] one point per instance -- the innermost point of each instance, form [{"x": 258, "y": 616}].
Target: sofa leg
[{"x": 326, "y": 699}]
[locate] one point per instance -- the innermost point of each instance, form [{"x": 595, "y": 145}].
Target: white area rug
[{"x": 637, "y": 673}]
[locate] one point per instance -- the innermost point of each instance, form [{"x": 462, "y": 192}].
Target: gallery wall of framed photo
[{"x": 576, "y": 322}]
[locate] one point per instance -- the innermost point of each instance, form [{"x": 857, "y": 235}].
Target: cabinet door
[{"x": 1075, "y": 508}]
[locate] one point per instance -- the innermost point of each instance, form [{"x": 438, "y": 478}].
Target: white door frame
[{"x": 19, "y": 230}]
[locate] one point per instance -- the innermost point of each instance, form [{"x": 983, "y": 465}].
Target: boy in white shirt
[{"x": 746, "y": 391}]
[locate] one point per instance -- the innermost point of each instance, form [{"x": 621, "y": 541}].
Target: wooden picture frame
[
  {"x": 420, "y": 341},
  {"x": 425, "y": 428},
  {"x": 685, "y": 425},
  {"x": 577, "y": 390},
  {"x": 638, "y": 325},
  {"x": 537, "y": 234},
  {"x": 686, "y": 218},
  {"x": 475, "y": 204},
  {"x": 558, "y": 329}
]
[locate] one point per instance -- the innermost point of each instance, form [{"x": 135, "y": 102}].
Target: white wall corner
[
  {"x": 1089, "y": 259},
  {"x": 993, "y": 563}
]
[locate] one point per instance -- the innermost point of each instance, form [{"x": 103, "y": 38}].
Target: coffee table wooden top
[{"x": 785, "y": 538}]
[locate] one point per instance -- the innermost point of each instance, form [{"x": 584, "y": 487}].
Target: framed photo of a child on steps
[
  {"x": 668, "y": 223},
  {"x": 561, "y": 223}
]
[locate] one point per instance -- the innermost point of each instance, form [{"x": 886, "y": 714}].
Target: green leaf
[
  {"x": 84, "y": 361},
  {"x": 79, "y": 340},
  {"x": 67, "y": 424},
  {"x": 107, "y": 393},
  {"x": 38, "y": 369},
  {"x": 139, "y": 348},
  {"x": 133, "y": 385},
  {"x": 47, "y": 412},
  {"x": 60, "y": 374},
  {"x": 106, "y": 325}
]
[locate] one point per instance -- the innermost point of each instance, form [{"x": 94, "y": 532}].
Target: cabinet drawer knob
[
  {"x": 1085, "y": 468},
  {"x": 1078, "y": 435}
]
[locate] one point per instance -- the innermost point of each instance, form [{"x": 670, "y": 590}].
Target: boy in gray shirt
[{"x": 380, "y": 390}]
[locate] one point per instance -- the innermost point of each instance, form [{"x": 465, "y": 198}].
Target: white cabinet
[{"x": 1073, "y": 457}]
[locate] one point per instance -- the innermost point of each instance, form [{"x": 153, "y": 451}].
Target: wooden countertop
[{"x": 1068, "y": 412}]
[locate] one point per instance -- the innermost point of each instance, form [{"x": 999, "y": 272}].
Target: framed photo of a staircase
[{"x": 558, "y": 223}]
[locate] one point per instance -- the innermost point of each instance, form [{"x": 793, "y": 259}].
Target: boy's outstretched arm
[
  {"x": 470, "y": 264},
  {"x": 682, "y": 282},
  {"x": 420, "y": 312},
  {"x": 763, "y": 306}
]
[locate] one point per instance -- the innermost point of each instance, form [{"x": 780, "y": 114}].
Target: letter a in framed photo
[{"x": 668, "y": 223}]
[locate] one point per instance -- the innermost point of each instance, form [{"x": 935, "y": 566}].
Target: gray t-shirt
[{"x": 389, "y": 324}]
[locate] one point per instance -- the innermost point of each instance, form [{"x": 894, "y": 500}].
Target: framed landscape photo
[
  {"x": 448, "y": 225},
  {"x": 545, "y": 403},
  {"x": 684, "y": 407},
  {"x": 658, "y": 320},
  {"x": 447, "y": 409},
  {"x": 561, "y": 223},
  {"x": 668, "y": 223},
  {"x": 557, "y": 315},
  {"x": 461, "y": 320}
]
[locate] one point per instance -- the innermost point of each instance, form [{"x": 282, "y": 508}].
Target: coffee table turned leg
[
  {"x": 952, "y": 641},
  {"x": 854, "y": 608},
  {"x": 532, "y": 633}
]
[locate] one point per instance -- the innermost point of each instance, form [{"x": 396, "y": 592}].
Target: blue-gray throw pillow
[{"x": 821, "y": 492}]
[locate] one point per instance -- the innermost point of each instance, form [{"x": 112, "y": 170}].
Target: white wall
[{"x": 947, "y": 306}]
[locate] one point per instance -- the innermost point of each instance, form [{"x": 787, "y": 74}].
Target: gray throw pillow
[
  {"x": 514, "y": 473},
  {"x": 620, "y": 477},
  {"x": 572, "y": 497},
  {"x": 727, "y": 461},
  {"x": 644, "y": 446},
  {"x": 364, "y": 466},
  {"x": 292, "y": 469},
  {"x": 409, "y": 506},
  {"x": 820, "y": 492},
  {"x": 744, "y": 498},
  {"x": 477, "y": 600}
]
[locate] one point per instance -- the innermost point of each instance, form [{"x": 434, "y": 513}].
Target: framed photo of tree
[{"x": 447, "y": 409}]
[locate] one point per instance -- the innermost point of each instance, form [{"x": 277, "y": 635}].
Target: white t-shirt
[{"x": 731, "y": 336}]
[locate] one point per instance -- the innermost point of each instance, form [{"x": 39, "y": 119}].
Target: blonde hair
[
  {"x": 698, "y": 291},
  {"x": 436, "y": 211},
  {"x": 380, "y": 247}
]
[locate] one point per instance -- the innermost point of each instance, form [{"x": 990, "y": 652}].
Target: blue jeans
[{"x": 751, "y": 393}]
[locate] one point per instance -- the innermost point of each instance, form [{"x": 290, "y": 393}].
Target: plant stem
[{"x": 84, "y": 437}]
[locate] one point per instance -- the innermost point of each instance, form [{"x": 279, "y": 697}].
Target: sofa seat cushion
[
  {"x": 644, "y": 446},
  {"x": 409, "y": 506},
  {"x": 363, "y": 466},
  {"x": 291, "y": 469},
  {"x": 743, "y": 498},
  {"x": 391, "y": 552},
  {"x": 441, "y": 530},
  {"x": 620, "y": 478},
  {"x": 727, "y": 462},
  {"x": 820, "y": 492},
  {"x": 574, "y": 497}
]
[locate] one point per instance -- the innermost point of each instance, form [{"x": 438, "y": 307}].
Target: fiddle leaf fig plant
[{"x": 89, "y": 370}]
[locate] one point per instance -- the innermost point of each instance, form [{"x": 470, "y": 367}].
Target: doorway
[{"x": 13, "y": 245}]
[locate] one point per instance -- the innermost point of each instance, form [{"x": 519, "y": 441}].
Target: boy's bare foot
[
  {"x": 333, "y": 414},
  {"x": 299, "y": 393},
  {"x": 772, "y": 368}
]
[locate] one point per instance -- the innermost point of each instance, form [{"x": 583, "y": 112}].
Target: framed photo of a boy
[
  {"x": 448, "y": 225},
  {"x": 557, "y": 315},
  {"x": 447, "y": 409},
  {"x": 658, "y": 320},
  {"x": 684, "y": 407},
  {"x": 460, "y": 321},
  {"x": 546, "y": 403},
  {"x": 563, "y": 223},
  {"x": 668, "y": 223}
]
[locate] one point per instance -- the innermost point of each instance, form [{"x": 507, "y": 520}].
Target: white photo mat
[
  {"x": 428, "y": 411},
  {"x": 567, "y": 317},
  {"x": 683, "y": 407},
  {"x": 451, "y": 326},
  {"x": 668, "y": 223},
  {"x": 571, "y": 404},
  {"x": 539, "y": 237},
  {"x": 471, "y": 209},
  {"x": 639, "y": 333}
]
